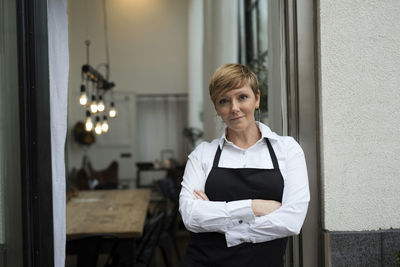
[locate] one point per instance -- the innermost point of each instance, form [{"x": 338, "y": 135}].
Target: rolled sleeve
[
  {"x": 289, "y": 218},
  {"x": 208, "y": 216},
  {"x": 238, "y": 236},
  {"x": 240, "y": 211}
]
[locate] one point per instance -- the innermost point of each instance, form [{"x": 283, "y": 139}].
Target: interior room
[
  {"x": 106, "y": 113},
  {"x": 138, "y": 104}
]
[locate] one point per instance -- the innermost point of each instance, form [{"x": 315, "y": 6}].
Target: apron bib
[{"x": 227, "y": 184}]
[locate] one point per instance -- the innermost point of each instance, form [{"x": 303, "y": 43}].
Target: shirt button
[{"x": 240, "y": 221}]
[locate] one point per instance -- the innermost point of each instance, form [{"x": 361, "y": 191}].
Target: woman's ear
[{"x": 258, "y": 96}]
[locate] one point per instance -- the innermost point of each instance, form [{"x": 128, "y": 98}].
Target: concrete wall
[{"x": 359, "y": 114}]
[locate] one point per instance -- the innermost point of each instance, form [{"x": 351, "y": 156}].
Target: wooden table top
[{"x": 117, "y": 212}]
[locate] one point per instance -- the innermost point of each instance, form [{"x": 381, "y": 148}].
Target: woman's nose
[{"x": 235, "y": 106}]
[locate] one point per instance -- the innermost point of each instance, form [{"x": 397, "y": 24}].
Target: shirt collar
[{"x": 264, "y": 129}]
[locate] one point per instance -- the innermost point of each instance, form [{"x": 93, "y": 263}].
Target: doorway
[{"x": 279, "y": 41}]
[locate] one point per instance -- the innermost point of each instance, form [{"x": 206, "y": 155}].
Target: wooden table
[{"x": 120, "y": 213}]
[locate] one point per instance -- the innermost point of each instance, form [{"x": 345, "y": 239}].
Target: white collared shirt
[{"x": 236, "y": 218}]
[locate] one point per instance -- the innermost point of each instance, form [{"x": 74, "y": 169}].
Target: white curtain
[
  {"x": 160, "y": 123},
  {"x": 58, "y": 70}
]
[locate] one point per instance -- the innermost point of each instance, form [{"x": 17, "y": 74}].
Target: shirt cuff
[
  {"x": 240, "y": 211},
  {"x": 237, "y": 235}
]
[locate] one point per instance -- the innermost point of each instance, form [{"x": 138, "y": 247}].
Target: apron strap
[
  {"x": 272, "y": 154},
  {"x": 217, "y": 156}
]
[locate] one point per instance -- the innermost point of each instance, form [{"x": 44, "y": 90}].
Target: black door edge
[{"x": 35, "y": 138}]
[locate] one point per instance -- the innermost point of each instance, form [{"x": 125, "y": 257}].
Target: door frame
[
  {"x": 35, "y": 133},
  {"x": 302, "y": 118}
]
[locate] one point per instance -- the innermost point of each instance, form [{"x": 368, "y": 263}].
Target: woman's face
[{"x": 236, "y": 108}]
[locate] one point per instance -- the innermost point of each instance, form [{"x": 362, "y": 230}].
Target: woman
[{"x": 246, "y": 192}]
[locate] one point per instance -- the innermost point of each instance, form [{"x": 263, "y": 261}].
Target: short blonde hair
[{"x": 229, "y": 77}]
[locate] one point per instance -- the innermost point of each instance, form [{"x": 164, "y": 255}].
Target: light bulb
[
  {"x": 112, "y": 112},
  {"x": 93, "y": 105},
  {"x": 83, "y": 99},
  {"x": 100, "y": 104},
  {"x": 88, "y": 124},
  {"x": 98, "y": 129},
  {"x": 104, "y": 126}
]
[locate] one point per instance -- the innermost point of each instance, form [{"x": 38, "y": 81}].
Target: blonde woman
[{"x": 244, "y": 193}]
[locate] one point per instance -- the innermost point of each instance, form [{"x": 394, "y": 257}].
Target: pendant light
[
  {"x": 112, "y": 112},
  {"x": 104, "y": 125},
  {"x": 88, "y": 122},
  {"x": 96, "y": 86},
  {"x": 100, "y": 104},
  {"x": 93, "y": 105},
  {"x": 83, "y": 97},
  {"x": 98, "y": 129}
]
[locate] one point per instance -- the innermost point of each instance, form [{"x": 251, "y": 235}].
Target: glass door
[{"x": 10, "y": 174}]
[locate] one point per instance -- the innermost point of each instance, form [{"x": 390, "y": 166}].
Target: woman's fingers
[
  {"x": 263, "y": 207},
  {"x": 196, "y": 196},
  {"x": 199, "y": 194}
]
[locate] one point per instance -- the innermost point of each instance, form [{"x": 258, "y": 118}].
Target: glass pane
[
  {"x": 10, "y": 187},
  {"x": 255, "y": 30},
  {"x": 9, "y": 122},
  {"x": 254, "y": 33},
  {"x": 262, "y": 63},
  {"x": 262, "y": 25}
]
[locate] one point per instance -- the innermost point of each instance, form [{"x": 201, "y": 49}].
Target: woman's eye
[
  {"x": 243, "y": 97},
  {"x": 222, "y": 101}
]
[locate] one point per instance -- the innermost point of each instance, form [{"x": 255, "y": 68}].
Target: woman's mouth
[{"x": 236, "y": 118}]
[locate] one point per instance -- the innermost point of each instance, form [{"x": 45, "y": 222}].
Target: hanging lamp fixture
[{"x": 96, "y": 86}]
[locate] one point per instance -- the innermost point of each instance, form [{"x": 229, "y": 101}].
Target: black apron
[{"x": 226, "y": 184}]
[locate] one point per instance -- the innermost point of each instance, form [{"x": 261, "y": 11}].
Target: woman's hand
[
  {"x": 199, "y": 194},
  {"x": 263, "y": 207},
  {"x": 260, "y": 207}
]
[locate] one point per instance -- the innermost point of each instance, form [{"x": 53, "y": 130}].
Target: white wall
[
  {"x": 148, "y": 42},
  {"x": 359, "y": 113}
]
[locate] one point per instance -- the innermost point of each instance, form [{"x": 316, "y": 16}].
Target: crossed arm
[
  {"x": 250, "y": 220},
  {"x": 260, "y": 207}
]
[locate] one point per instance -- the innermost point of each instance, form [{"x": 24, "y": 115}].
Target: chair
[
  {"x": 108, "y": 178},
  {"x": 171, "y": 194},
  {"x": 146, "y": 246},
  {"x": 88, "y": 248},
  {"x": 105, "y": 179}
]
